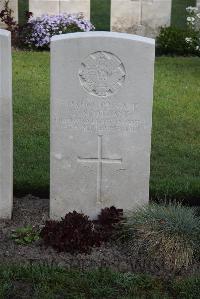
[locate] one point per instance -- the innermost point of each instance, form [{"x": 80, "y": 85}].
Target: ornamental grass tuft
[{"x": 168, "y": 233}]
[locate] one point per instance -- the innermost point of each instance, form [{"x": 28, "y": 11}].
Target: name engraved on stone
[
  {"x": 100, "y": 161},
  {"x": 102, "y": 74},
  {"x": 90, "y": 115}
]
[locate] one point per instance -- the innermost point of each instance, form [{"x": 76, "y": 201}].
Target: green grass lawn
[
  {"x": 175, "y": 166},
  {"x": 176, "y": 126},
  {"x": 31, "y": 122},
  {"x": 49, "y": 283}
]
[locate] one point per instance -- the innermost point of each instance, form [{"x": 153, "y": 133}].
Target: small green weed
[{"x": 25, "y": 235}]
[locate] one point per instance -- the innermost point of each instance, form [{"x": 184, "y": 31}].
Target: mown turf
[
  {"x": 50, "y": 282},
  {"x": 175, "y": 135},
  {"x": 31, "y": 122},
  {"x": 175, "y": 163}
]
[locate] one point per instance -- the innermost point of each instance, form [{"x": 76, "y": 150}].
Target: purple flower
[{"x": 44, "y": 27}]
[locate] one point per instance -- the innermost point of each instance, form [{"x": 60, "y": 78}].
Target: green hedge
[
  {"x": 178, "y": 17},
  {"x": 100, "y": 14},
  {"x": 23, "y": 6},
  {"x": 172, "y": 41}
]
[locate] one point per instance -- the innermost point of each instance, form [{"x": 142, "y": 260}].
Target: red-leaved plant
[
  {"x": 108, "y": 222},
  {"x": 77, "y": 234}
]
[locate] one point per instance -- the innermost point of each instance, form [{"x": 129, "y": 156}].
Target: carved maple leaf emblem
[{"x": 102, "y": 74}]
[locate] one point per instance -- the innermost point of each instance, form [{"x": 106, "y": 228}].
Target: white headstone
[
  {"x": 125, "y": 14},
  {"x": 152, "y": 21},
  {"x": 55, "y": 7},
  {"x": 6, "y": 135},
  {"x": 42, "y": 7},
  {"x": 101, "y": 115},
  {"x": 140, "y": 16},
  {"x": 78, "y": 6}
]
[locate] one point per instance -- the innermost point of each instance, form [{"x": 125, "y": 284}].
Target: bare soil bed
[{"x": 34, "y": 211}]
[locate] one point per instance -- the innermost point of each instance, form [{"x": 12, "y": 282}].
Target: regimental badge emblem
[{"x": 102, "y": 74}]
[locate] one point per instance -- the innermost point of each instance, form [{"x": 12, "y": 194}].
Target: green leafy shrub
[
  {"x": 25, "y": 235},
  {"x": 193, "y": 24},
  {"x": 174, "y": 41},
  {"x": 170, "y": 233},
  {"x": 177, "y": 41}
]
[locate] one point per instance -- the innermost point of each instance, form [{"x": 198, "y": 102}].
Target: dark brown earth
[{"x": 34, "y": 211}]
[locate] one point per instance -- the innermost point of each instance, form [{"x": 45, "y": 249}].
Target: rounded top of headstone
[
  {"x": 103, "y": 34},
  {"x": 4, "y": 32}
]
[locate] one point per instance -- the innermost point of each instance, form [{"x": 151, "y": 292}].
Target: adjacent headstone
[
  {"x": 55, "y": 7},
  {"x": 140, "y": 16},
  {"x": 77, "y": 6},
  {"x": 43, "y": 7},
  {"x": 6, "y": 135},
  {"x": 155, "y": 14},
  {"x": 125, "y": 14},
  {"x": 101, "y": 115}
]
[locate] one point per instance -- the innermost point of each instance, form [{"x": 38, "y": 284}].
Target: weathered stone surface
[
  {"x": 13, "y": 4},
  {"x": 143, "y": 17},
  {"x": 6, "y": 135},
  {"x": 41, "y": 7},
  {"x": 101, "y": 114},
  {"x": 55, "y": 7},
  {"x": 78, "y": 6},
  {"x": 155, "y": 14},
  {"x": 125, "y": 14}
]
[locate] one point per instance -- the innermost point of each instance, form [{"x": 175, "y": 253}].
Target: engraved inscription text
[{"x": 89, "y": 115}]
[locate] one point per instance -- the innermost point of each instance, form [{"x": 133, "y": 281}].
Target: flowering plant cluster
[
  {"x": 193, "y": 17},
  {"x": 38, "y": 31},
  {"x": 193, "y": 23}
]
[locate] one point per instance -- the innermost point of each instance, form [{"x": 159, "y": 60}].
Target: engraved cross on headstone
[{"x": 100, "y": 161}]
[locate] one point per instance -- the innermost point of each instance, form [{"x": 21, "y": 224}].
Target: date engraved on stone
[
  {"x": 100, "y": 117},
  {"x": 102, "y": 74}
]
